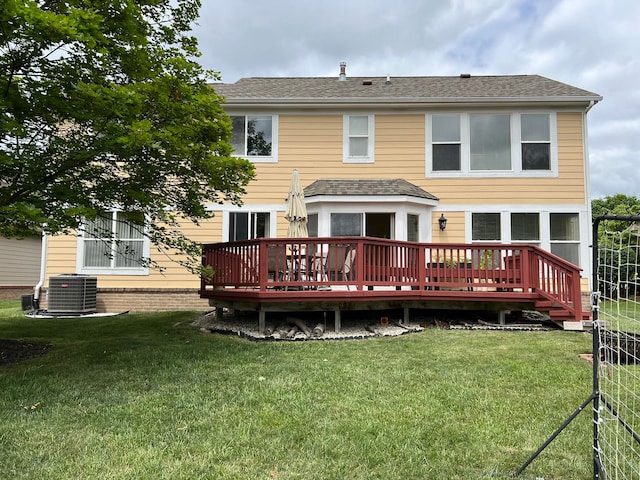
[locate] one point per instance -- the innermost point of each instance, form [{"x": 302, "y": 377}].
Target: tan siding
[
  {"x": 313, "y": 144},
  {"x": 567, "y": 188},
  {"x": 19, "y": 262},
  {"x": 453, "y": 233},
  {"x": 62, "y": 260}
]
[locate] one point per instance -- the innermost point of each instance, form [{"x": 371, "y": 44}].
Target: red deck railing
[{"x": 270, "y": 269}]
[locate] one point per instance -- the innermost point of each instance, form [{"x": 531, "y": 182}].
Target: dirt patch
[{"x": 15, "y": 351}]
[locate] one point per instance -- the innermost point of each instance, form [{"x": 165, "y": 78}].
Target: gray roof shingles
[
  {"x": 365, "y": 186},
  {"x": 425, "y": 89}
]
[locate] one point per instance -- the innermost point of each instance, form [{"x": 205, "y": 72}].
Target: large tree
[
  {"x": 104, "y": 106},
  {"x": 618, "y": 204},
  {"x": 618, "y": 244}
]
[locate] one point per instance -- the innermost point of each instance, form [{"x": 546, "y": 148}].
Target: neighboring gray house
[{"x": 19, "y": 266}]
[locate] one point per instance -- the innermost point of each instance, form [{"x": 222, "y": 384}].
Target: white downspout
[{"x": 43, "y": 272}]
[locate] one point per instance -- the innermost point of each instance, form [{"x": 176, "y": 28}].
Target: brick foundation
[
  {"x": 14, "y": 293},
  {"x": 117, "y": 300},
  {"x": 586, "y": 302}
]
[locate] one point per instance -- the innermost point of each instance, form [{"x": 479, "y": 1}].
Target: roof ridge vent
[{"x": 465, "y": 75}]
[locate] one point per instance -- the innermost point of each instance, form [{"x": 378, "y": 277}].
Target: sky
[{"x": 590, "y": 44}]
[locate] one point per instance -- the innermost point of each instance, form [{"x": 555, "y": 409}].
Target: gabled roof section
[
  {"x": 423, "y": 90},
  {"x": 366, "y": 187}
]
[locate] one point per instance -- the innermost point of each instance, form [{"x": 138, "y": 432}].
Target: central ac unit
[{"x": 72, "y": 294}]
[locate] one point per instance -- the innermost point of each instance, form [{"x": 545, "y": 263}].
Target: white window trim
[
  {"x": 516, "y": 149},
  {"x": 370, "y": 144},
  {"x": 545, "y": 231},
  {"x": 275, "y": 120},
  {"x": 139, "y": 271}
]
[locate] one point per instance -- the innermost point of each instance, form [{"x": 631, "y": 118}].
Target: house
[
  {"x": 494, "y": 159},
  {"x": 20, "y": 261}
]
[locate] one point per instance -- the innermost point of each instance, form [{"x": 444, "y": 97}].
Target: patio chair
[{"x": 277, "y": 262}]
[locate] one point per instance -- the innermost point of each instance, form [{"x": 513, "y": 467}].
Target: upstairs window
[
  {"x": 358, "y": 139},
  {"x": 536, "y": 141},
  {"x": 446, "y": 143},
  {"x": 491, "y": 144},
  {"x": 254, "y": 136}
]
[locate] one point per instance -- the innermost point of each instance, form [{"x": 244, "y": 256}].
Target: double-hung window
[
  {"x": 358, "y": 139},
  {"x": 446, "y": 142},
  {"x": 114, "y": 243},
  {"x": 536, "y": 141},
  {"x": 491, "y": 144},
  {"x": 565, "y": 236},
  {"x": 486, "y": 228},
  {"x": 255, "y": 137}
]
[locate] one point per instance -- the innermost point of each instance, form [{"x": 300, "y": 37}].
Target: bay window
[
  {"x": 346, "y": 224},
  {"x": 413, "y": 228}
]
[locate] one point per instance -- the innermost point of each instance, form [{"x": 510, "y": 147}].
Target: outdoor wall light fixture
[{"x": 442, "y": 221}]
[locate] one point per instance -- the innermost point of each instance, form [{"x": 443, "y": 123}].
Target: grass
[
  {"x": 622, "y": 314},
  {"x": 148, "y": 396}
]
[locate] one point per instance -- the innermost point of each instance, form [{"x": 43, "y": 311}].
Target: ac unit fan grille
[{"x": 72, "y": 294}]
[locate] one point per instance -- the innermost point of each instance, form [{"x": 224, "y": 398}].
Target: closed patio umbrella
[{"x": 296, "y": 213}]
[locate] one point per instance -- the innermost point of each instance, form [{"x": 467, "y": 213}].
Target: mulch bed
[{"x": 15, "y": 351}]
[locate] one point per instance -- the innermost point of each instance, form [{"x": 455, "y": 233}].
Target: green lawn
[
  {"x": 623, "y": 314},
  {"x": 148, "y": 396}
]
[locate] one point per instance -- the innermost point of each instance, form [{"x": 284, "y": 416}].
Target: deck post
[
  {"x": 262, "y": 324},
  {"x": 406, "y": 315},
  {"x": 337, "y": 325}
]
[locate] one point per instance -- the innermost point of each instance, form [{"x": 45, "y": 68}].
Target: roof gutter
[
  {"x": 406, "y": 100},
  {"x": 591, "y": 105}
]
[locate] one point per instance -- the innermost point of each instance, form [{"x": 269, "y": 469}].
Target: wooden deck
[{"x": 364, "y": 273}]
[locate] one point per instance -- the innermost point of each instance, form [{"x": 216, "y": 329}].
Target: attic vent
[
  {"x": 343, "y": 71},
  {"x": 465, "y": 75},
  {"x": 72, "y": 294},
  {"x": 367, "y": 82}
]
